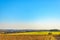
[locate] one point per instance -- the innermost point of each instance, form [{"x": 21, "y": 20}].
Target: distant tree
[{"x": 54, "y": 30}]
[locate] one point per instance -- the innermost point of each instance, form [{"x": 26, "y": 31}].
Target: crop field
[
  {"x": 36, "y": 33},
  {"x": 31, "y": 36}
]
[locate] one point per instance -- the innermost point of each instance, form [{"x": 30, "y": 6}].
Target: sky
[{"x": 44, "y": 14}]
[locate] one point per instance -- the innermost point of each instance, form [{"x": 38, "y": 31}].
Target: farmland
[
  {"x": 26, "y": 37},
  {"x": 31, "y": 36}
]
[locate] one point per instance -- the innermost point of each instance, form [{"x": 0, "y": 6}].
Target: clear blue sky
[{"x": 28, "y": 10}]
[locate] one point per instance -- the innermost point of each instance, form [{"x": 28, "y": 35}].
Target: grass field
[
  {"x": 35, "y": 33},
  {"x": 44, "y": 35}
]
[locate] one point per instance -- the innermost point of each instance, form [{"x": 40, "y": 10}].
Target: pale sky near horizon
[{"x": 34, "y": 14}]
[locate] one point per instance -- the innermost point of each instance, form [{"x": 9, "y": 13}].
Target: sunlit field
[
  {"x": 35, "y": 33},
  {"x": 43, "y": 35}
]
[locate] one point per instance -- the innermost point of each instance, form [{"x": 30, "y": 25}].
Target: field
[
  {"x": 31, "y": 36},
  {"x": 36, "y": 33}
]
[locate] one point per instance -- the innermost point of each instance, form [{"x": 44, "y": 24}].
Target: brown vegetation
[{"x": 26, "y": 37}]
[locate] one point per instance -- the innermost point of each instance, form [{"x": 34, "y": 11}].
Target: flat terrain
[{"x": 29, "y": 37}]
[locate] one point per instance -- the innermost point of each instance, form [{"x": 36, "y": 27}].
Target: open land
[{"x": 31, "y": 36}]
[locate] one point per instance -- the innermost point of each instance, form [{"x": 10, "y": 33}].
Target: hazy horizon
[{"x": 29, "y": 14}]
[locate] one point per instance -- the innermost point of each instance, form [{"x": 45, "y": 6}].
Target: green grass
[{"x": 36, "y": 33}]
